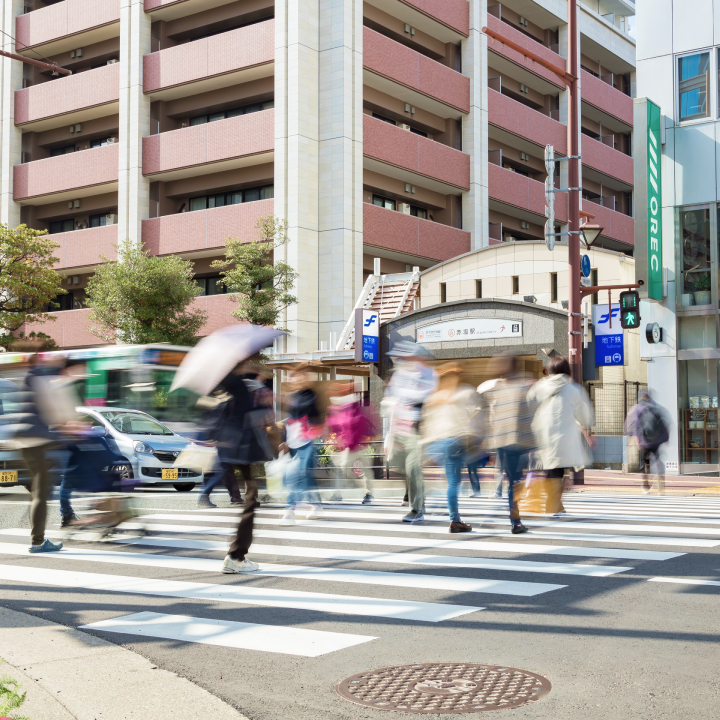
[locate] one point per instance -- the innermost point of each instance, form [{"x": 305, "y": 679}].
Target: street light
[{"x": 591, "y": 233}]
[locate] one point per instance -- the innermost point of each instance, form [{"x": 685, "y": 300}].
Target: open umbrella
[{"x": 214, "y": 357}]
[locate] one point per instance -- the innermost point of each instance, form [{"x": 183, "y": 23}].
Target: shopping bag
[
  {"x": 197, "y": 457},
  {"x": 276, "y": 471}
]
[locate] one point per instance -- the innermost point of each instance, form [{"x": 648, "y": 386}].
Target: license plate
[
  {"x": 8, "y": 476},
  {"x": 169, "y": 474}
]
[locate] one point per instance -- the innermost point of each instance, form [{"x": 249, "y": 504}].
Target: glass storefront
[{"x": 698, "y": 411}]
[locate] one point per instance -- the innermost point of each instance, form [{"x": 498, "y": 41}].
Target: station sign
[
  {"x": 367, "y": 335},
  {"x": 609, "y": 338},
  {"x": 464, "y": 329}
]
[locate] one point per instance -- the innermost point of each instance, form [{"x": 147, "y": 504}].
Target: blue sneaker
[{"x": 47, "y": 546}]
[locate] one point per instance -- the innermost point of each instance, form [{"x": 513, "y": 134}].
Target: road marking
[
  {"x": 226, "y": 633},
  {"x": 684, "y": 581},
  {"x": 297, "y": 572},
  {"x": 243, "y": 594}
]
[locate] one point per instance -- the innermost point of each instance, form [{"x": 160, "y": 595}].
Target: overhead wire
[{"x": 42, "y": 57}]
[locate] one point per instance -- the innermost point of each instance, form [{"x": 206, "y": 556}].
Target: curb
[{"x": 73, "y": 675}]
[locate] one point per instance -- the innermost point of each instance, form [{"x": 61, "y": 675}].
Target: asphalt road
[{"x": 571, "y": 600}]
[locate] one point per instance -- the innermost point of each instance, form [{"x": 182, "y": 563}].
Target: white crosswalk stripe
[{"x": 365, "y": 548}]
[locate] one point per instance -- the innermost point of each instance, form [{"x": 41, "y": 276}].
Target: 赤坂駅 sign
[{"x": 469, "y": 329}]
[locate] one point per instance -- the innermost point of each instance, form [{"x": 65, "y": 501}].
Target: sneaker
[
  {"x": 476, "y": 494},
  {"x": 230, "y": 566},
  {"x": 413, "y": 516},
  {"x": 288, "y": 518},
  {"x": 336, "y": 497},
  {"x": 367, "y": 499},
  {"x": 458, "y": 527},
  {"x": 67, "y": 520},
  {"x": 204, "y": 501},
  {"x": 47, "y": 546},
  {"x": 315, "y": 512},
  {"x": 519, "y": 529},
  {"x": 237, "y": 501},
  {"x": 405, "y": 501},
  {"x": 498, "y": 496}
]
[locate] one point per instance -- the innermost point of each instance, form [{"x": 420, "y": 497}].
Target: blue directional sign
[
  {"x": 609, "y": 345},
  {"x": 586, "y": 265},
  {"x": 367, "y": 335}
]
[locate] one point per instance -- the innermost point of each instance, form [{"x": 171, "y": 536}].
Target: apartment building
[{"x": 385, "y": 128}]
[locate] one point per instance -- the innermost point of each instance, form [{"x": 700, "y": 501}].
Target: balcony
[
  {"x": 76, "y": 98},
  {"x": 607, "y": 161},
  {"x": 403, "y": 155},
  {"x": 606, "y": 98},
  {"x": 67, "y": 177},
  {"x": 424, "y": 82},
  {"x": 83, "y": 248},
  {"x": 495, "y": 46},
  {"x": 616, "y": 226},
  {"x": 520, "y": 120},
  {"x": 447, "y": 20},
  {"x": 233, "y": 57},
  {"x": 203, "y": 229},
  {"x": 402, "y": 233},
  {"x": 67, "y": 25},
  {"x": 70, "y": 330},
  {"x": 213, "y": 147},
  {"x": 218, "y": 309},
  {"x": 510, "y": 188},
  {"x": 172, "y": 9}
]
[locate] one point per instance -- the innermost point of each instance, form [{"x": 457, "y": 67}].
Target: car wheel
[{"x": 184, "y": 487}]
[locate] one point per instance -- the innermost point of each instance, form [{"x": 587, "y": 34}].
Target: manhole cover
[{"x": 443, "y": 688}]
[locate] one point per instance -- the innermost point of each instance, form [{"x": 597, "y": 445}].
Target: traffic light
[
  {"x": 629, "y": 310},
  {"x": 550, "y": 197}
]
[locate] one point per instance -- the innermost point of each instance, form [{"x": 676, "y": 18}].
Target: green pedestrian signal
[{"x": 629, "y": 310}]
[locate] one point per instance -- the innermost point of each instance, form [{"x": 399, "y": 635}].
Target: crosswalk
[{"x": 364, "y": 564}]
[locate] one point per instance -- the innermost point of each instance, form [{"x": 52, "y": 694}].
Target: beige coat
[{"x": 449, "y": 414}]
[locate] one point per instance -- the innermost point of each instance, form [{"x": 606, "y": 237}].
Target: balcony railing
[
  {"x": 203, "y": 229},
  {"x": 68, "y": 95},
  {"x": 616, "y": 225},
  {"x": 392, "y": 145},
  {"x": 64, "y": 173},
  {"x": 218, "y": 142},
  {"x": 453, "y": 13},
  {"x": 519, "y": 191},
  {"x": 69, "y": 330},
  {"x": 392, "y": 230},
  {"x": 606, "y": 98},
  {"x": 606, "y": 160}
]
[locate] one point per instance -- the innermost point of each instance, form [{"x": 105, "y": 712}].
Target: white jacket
[{"x": 564, "y": 409}]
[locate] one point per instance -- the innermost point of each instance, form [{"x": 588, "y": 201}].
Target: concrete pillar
[
  {"x": 475, "y": 127},
  {"x": 11, "y": 75},
  {"x": 133, "y": 188}
]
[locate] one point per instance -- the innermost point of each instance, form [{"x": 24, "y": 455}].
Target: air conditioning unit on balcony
[
  {"x": 404, "y": 208},
  {"x": 112, "y": 61},
  {"x": 112, "y": 141},
  {"x": 111, "y": 219},
  {"x": 404, "y": 127}
]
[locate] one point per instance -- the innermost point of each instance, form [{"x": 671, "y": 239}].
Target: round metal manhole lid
[{"x": 444, "y": 688}]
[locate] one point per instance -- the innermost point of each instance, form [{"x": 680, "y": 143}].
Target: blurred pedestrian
[
  {"x": 413, "y": 380},
  {"x": 486, "y": 409},
  {"x": 447, "y": 432},
  {"x": 563, "y": 417},
  {"x": 648, "y": 424},
  {"x": 303, "y": 427},
  {"x": 350, "y": 424},
  {"x": 512, "y": 435}
]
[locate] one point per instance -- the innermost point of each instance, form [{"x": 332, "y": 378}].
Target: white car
[{"x": 150, "y": 447}]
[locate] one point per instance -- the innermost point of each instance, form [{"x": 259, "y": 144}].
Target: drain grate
[{"x": 444, "y": 688}]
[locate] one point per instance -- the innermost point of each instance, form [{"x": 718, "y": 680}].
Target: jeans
[
  {"x": 302, "y": 484},
  {"x": 511, "y": 461},
  {"x": 212, "y": 479},
  {"x": 451, "y": 452},
  {"x": 472, "y": 468},
  {"x": 406, "y": 457}
]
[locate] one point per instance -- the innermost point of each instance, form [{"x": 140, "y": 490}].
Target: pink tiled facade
[
  {"x": 606, "y": 160},
  {"x": 69, "y": 330},
  {"x": 453, "y": 13},
  {"x": 228, "y": 52},
  {"x": 88, "y": 168},
  {"x": 68, "y": 94},
  {"x": 598, "y": 93},
  {"x": 69, "y": 17},
  {"x": 240, "y": 136},
  {"x": 510, "y": 115},
  {"x": 218, "y": 309},
  {"x": 386, "y": 57},
  {"x": 519, "y": 191},
  {"x": 396, "y": 231},
  {"x": 395, "y": 146},
  {"x": 203, "y": 229},
  {"x": 81, "y": 248},
  {"x": 615, "y": 225}
]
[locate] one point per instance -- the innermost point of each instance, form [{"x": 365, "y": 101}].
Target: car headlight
[{"x": 142, "y": 448}]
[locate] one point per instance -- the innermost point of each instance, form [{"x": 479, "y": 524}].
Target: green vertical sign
[{"x": 654, "y": 206}]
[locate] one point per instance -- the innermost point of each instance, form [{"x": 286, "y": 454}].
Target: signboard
[
  {"x": 464, "y": 329},
  {"x": 367, "y": 335},
  {"x": 648, "y": 198},
  {"x": 586, "y": 268},
  {"x": 609, "y": 347}
]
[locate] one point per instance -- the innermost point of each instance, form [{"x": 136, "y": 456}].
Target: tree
[
  {"x": 12, "y": 343},
  {"x": 28, "y": 282},
  {"x": 262, "y": 282},
  {"x": 144, "y": 299}
]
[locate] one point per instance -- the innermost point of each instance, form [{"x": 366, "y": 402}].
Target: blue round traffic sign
[{"x": 586, "y": 265}]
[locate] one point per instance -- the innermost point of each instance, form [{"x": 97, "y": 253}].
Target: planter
[
  {"x": 686, "y": 299},
  {"x": 702, "y": 297}
]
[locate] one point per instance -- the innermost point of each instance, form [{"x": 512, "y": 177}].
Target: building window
[
  {"x": 384, "y": 202},
  {"x": 553, "y": 288},
  {"x": 516, "y": 285},
  {"x": 233, "y": 112},
  {"x": 443, "y": 292},
  {"x": 697, "y": 257},
  {"x": 208, "y": 202},
  {"x": 211, "y": 285},
  {"x": 62, "y": 150},
  {"x": 478, "y": 289},
  {"x": 378, "y": 116},
  {"x": 418, "y": 212},
  {"x": 693, "y": 81},
  {"x": 61, "y": 226},
  {"x": 594, "y": 282}
]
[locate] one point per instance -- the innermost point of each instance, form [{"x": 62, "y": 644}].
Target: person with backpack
[{"x": 646, "y": 422}]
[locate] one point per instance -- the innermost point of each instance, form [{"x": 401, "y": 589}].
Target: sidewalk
[{"x": 71, "y": 675}]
